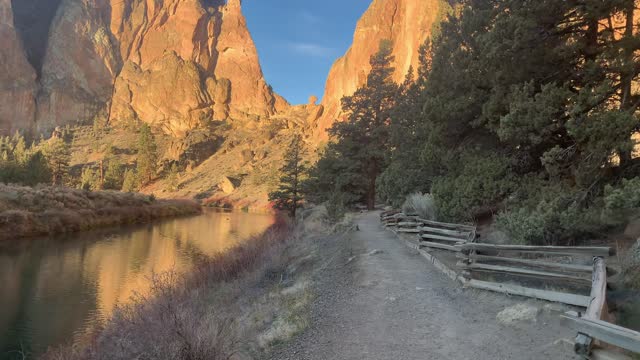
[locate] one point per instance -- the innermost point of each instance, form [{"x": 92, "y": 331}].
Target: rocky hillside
[
  {"x": 188, "y": 68},
  {"x": 407, "y": 23},
  {"x": 175, "y": 64}
]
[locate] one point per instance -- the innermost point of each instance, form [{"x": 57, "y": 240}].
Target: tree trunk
[
  {"x": 627, "y": 78},
  {"x": 371, "y": 193}
]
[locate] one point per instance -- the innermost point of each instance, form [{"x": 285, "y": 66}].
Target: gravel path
[{"x": 378, "y": 299}]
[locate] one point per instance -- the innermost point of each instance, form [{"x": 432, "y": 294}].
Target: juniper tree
[
  {"x": 364, "y": 137},
  {"x": 147, "y": 155},
  {"x": 289, "y": 196},
  {"x": 58, "y": 155}
]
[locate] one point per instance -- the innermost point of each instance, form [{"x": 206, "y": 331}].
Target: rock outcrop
[
  {"x": 175, "y": 64},
  {"x": 17, "y": 76},
  {"x": 171, "y": 94},
  {"x": 407, "y": 23},
  {"x": 213, "y": 72},
  {"x": 80, "y": 63}
]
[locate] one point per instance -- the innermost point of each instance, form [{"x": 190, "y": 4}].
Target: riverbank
[
  {"x": 49, "y": 210},
  {"x": 243, "y": 302}
]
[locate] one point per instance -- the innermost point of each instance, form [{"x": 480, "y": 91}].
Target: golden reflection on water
[{"x": 52, "y": 290}]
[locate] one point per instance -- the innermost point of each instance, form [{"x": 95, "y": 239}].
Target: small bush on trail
[
  {"x": 336, "y": 206},
  {"x": 420, "y": 204}
]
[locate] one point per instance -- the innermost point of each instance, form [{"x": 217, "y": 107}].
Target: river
[{"x": 55, "y": 290}]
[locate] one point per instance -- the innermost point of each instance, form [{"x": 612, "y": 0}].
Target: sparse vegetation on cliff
[{"x": 49, "y": 210}]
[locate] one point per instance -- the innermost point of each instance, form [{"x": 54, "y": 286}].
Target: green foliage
[
  {"x": 337, "y": 206},
  {"x": 58, "y": 155},
  {"x": 22, "y": 164},
  {"x": 147, "y": 165},
  {"x": 357, "y": 155},
  {"x": 130, "y": 181},
  {"x": 527, "y": 107},
  {"x": 289, "y": 195},
  {"x": 555, "y": 214},
  {"x": 480, "y": 184},
  {"x": 550, "y": 223},
  {"x": 172, "y": 178},
  {"x": 334, "y": 174},
  {"x": 620, "y": 201},
  {"x": 113, "y": 175},
  {"x": 90, "y": 179}
]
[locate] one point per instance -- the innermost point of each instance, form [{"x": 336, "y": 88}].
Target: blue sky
[{"x": 298, "y": 41}]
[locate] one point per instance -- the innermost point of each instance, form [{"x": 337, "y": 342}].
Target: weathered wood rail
[
  {"x": 575, "y": 275},
  {"x": 431, "y": 234}
]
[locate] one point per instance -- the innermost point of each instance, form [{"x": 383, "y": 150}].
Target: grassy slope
[
  {"x": 47, "y": 210},
  {"x": 256, "y": 175}
]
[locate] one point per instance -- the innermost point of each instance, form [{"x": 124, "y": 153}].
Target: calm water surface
[{"x": 53, "y": 290}]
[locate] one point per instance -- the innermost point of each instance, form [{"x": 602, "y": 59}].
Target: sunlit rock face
[
  {"x": 79, "y": 65},
  {"x": 100, "y": 58},
  {"x": 407, "y": 23},
  {"x": 17, "y": 76},
  {"x": 172, "y": 94},
  {"x": 220, "y": 74}
]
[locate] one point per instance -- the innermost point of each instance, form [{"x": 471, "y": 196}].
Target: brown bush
[
  {"x": 49, "y": 210},
  {"x": 180, "y": 319}
]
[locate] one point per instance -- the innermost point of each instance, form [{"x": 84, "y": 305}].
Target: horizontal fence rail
[{"x": 574, "y": 275}]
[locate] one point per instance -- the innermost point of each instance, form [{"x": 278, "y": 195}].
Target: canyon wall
[
  {"x": 17, "y": 76},
  {"x": 176, "y": 64},
  {"x": 406, "y": 23}
]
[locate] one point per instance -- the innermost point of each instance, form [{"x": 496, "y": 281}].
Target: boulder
[{"x": 226, "y": 185}]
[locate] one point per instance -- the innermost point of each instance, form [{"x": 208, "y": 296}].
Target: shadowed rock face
[
  {"x": 32, "y": 19},
  {"x": 17, "y": 76},
  {"x": 97, "y": 51},
  {"x": 407, "y": 23}
]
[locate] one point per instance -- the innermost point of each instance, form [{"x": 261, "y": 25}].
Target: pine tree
[
  {"x": 147, "y": 155},
  {"x": 130, "y": 181},
  {"x": 113, "y": 176},
  {"x": 36, "y": 169},
  {"x": 289, "y": 194},
  {"x": 172, "y": 178},
  {"x": 58, "y": 154},
  {"x": 364, "y": 137}
]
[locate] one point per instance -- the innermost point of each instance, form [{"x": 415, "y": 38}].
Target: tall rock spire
[
  {"x": 17, "y": 76},
  {"x": 407, "y": 23}
]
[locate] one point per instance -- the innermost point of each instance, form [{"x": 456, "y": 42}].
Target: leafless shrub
[
  {"x": 181, "y": 318},
  {"x": 47, "y": 210},
  {"x": 420, "y": 204}
]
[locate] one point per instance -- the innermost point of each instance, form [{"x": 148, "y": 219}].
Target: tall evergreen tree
[
  {"x": 147, "y": 166},
  {"x": 288, "y": 197},
  {"x": 58, "y": 155},
  {"x": 364, "y": 138}
]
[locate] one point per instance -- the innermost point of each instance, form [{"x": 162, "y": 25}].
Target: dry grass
[
  {"x": 224, "y": 309},
  {"x": 420, "y": 204},
  {"x": 48, "y": 210}
]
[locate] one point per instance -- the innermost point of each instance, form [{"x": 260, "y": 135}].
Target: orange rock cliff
[{"x": 175, "y": 64}]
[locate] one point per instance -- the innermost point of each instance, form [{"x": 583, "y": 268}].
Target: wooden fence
[
  {"x": 575, "y": 275},
  {"x": 431, "y": 234}
]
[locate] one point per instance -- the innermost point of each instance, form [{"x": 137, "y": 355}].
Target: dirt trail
[{"x": 378, "y": 299}]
